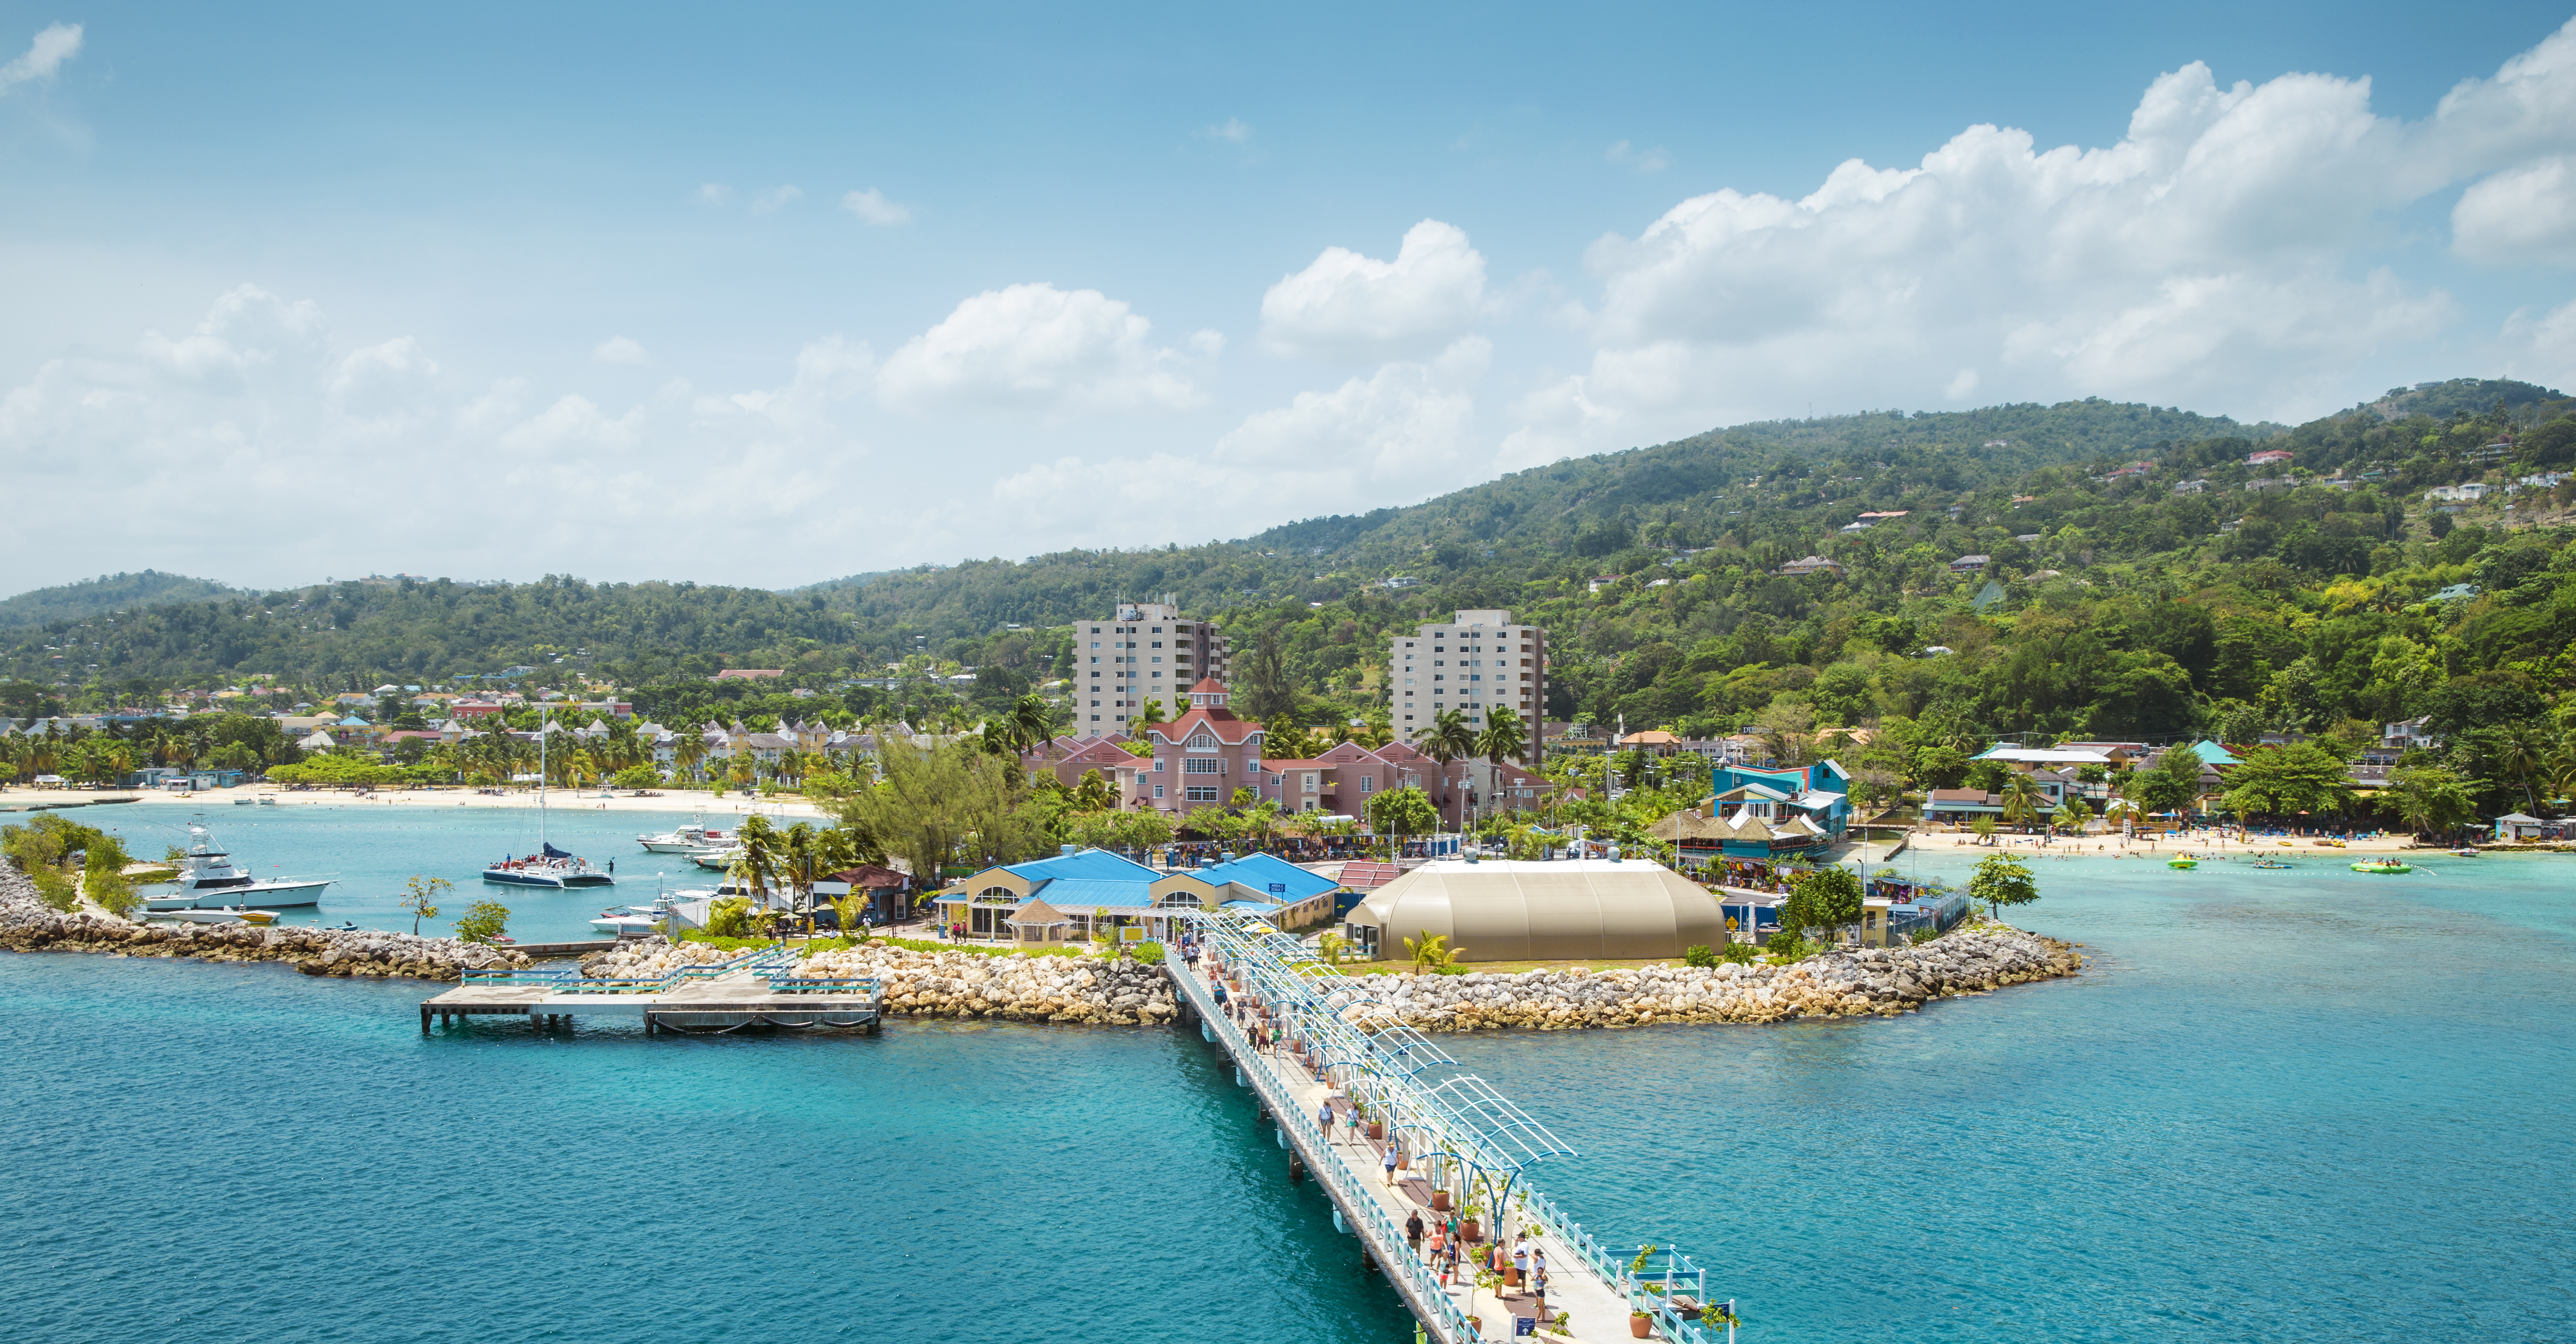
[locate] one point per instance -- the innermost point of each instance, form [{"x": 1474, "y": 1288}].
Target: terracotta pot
[
  {"x": 1403, "y": 1162},
  {"x": 1469, "y": 1233},
  {"x": 1377, "y": 1129},
  {"x": 1512, "y": 1276},
  {"x": 1641, "y": 1326},
  {"x": 1439, "y": 1201}
]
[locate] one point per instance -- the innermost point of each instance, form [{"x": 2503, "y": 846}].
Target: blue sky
[{"x": 767, "y": 295}]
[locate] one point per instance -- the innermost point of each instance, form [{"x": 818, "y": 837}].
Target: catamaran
[
  {"x": 208, "y": 877},
  {"x": 549, "y": 867}
]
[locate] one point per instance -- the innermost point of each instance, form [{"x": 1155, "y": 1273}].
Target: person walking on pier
[
  {"x": 1324, "y": 1121},
  {"x": 1389, "y": 1162},
  {"x": 1413, "y": 1231}
]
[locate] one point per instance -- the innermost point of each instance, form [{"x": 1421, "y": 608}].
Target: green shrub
[
  {"x": 1697, "y": 954},
  {"x": 1149, "y": 954},
  {"x": 483, "y": 921},
  {"x": 1740, "y": 954},
  {"x": 54, "y": 889},
  {"x": 109, "y": 889},
  {"x": 729, "y": 917}
]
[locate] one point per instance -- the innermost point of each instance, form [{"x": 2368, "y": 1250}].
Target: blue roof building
[{"x": 1096, "y": 887}]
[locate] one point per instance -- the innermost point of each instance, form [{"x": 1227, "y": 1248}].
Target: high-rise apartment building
[
  {"x": 1476, "y": 663},
  {"x": 1144, "y": 651}
]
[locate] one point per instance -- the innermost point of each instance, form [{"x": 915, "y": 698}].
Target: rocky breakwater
[
  {"x": 29, "y": 925},
  {"x": 1017, "y": 987},
  {"x": 1875, "y": 981}
]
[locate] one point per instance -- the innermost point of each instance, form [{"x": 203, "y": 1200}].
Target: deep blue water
[{"x": 2308, "y": 1105}]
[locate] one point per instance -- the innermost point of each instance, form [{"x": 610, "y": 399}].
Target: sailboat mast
[{"x": 541, "y": 779}]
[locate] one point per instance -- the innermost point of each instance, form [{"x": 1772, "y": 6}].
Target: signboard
[
  {"x": 1524, "y": 1325},
  {"x": 1278, "y": 888}
]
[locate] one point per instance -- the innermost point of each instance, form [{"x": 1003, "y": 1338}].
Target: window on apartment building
[
  {"x": 1158, "y": 630},
  {"x": 1199, "y": 765},
  {"x": 1200, "y": 795},
  {"x": 1158, "y": 790},
  {"x": 1158, "y": 765},
  {"x": 1368, "y": 783},
  {"x": 1310, "y": 781}
]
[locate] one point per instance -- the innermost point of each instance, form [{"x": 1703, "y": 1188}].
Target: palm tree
[
  {"x": 758, "y": 863},
  {"x": 2021, "y": 798},
  {"x": 1505, "y": 738},
  {"x": 2519, "y": 754},
  {"x": 1449, "y": 739},
  {"x": 1030, "y": 722},
  {"x": 687, "y": 752}
]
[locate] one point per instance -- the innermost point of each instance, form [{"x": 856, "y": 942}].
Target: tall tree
[{"x": 1267, "y": 689}]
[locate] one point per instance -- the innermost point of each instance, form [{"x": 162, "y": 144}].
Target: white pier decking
[{"x": 1305, "y": 1041}]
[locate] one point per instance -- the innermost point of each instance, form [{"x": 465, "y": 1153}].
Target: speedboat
[
  {"x": 629, "y": 921},
  {"x": 225, "y": 915},
  {"x": 687, "y": 839},
  {"x": 550, "y": 868},
  {"x": 716, "y": 860},
  {"x": 208, "y": 877}
]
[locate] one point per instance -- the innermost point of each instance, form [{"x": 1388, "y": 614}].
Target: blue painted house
[{"x": 1757, "y": 813}]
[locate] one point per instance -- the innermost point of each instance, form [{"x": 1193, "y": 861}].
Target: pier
[
  {"x": 1306, "y": 1041},
  {"x": 754, "y": 989}
]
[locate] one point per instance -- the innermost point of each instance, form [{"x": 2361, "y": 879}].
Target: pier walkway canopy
[{"x": 1561, "y": 911}]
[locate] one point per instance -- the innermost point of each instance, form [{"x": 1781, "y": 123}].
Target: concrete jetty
[
  {"x": 756, "y": 989},
  {"x": 1308, "y": 1041}
]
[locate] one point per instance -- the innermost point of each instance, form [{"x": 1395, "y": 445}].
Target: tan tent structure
[
  {"x": 1035, "y": 921},
  {"x": 1500, "y": 911}
]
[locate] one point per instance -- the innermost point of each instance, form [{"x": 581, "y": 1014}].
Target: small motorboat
[
  {"x": 2466, "y": 852},
  {"x": 224, "y": 915},
  {"x": 2382, "y": 866},
  {"x": 243, "y": 802},
  {"x": 266, "y": 800},
  {"x": 628, "y": 921},
  {"x": 2185, "y": 861}
]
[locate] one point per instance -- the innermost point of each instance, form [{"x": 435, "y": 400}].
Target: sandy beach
[
  {"x": 668, "y": 800},
  {"x": 2159, "y": 842}
]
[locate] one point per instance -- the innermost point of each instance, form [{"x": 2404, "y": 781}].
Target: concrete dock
[
  {"x": 1305, "y": 1044},
  {"x": 736, "y": 999}
]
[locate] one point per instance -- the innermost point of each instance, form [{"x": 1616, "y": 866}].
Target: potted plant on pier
[
  {"x": 1376, "y": 1123},
  {"x": 1468, "y": 1229},
  {"x": 1640, "y": 1324}
]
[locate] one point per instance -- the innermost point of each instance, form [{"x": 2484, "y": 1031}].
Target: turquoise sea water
[
  {"x": 2305, "y": 1105},
  {"x": 370, "y": 850}
]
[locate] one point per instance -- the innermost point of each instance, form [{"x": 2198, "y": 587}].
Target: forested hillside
[
  {"x": 104, "y": 594},
  {"x": 2142, "y": 579}
]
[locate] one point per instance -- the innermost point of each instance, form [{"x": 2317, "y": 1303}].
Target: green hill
[{"x": 107, "y": 593}]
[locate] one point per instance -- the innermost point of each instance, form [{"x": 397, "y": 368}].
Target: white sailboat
[{"x": 549, "y": 868}]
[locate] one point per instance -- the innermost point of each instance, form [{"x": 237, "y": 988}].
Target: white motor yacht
[
  {"x": 209, "y": 878},
  {"x": 687, "y": 840}
]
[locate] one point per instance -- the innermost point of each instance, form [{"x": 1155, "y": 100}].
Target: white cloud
[
  {"x": 713, "y": 193},
  {"x": 2208, "y": 258},
  {"x": 872, "y": 206},
  {"x": 2519, "y": 215},
  {"x": 1643, "y": 160},
  {"x": 621, "y": 350},
  {"x": 1231, "y": 130},
  {"x": 1401, "y": 434},
  {"x": 54, "y": 44},
  {"x": 1348, "y": 306},
  {"x": 1036, "y": 347},
  {"x": 2542, "y": 349},
  {"x": 776, "y": 198}
]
